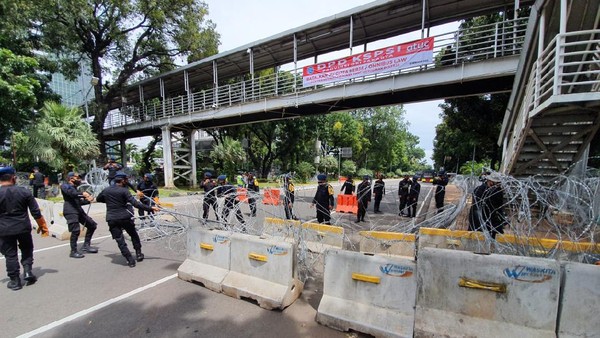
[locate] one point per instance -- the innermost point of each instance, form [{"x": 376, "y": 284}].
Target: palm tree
[
  {"x": 230, "y": 153},
  {"x": 61, "y": 137}
]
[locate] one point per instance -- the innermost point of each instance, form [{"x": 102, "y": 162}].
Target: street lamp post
[{"x": 94, "y": 83}]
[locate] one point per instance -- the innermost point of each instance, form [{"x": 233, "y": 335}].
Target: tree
[
  {"x": 348, "y": 167},
  {"x": 61, "y": 138},
  {"x": 330, "y": 163},
  {"x": 229, "y": 153},
  {"x": 304, "y": 171},
  {"x": 124, "y": 41},
  {"x": 470, "y": 128}
]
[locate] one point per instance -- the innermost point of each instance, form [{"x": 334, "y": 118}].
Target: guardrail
[
  {"x": 476, "y": 43},
  {"x": 569, "y": 65}
]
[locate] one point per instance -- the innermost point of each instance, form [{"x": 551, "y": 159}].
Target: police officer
[
  {"x": 441, "y": 181},
  {"x": 378, "y": 192},
  {"x": 413, "y": 196},
  {"x": 38, "y": 183},
  {"x": 348, "y": 186},
  {"x": 253, "y": 190},
  {"x": 112, "y": 168},
  {"x": 289, "y": 195},
  {"x": 229, "y": 192},
  {"x": 119, "y": 216},
  {"x": 323, "y": 200},
  {"x": 210, "y": 195},
  {"x": 15, "y": 228},
  {"x": 363, "y": 193},
  {"x": 74, "y": 214},
  {"x": 403, "y": 190},
  {"x": 147, "y": 191}
]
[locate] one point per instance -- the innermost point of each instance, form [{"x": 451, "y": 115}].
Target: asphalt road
[{"x": 100, "y": 296}]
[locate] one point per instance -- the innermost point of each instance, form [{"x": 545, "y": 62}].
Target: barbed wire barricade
[{"x": 542, "y": 218}]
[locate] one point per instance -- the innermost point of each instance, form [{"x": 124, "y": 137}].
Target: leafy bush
[{"x": 304, "y": 172}]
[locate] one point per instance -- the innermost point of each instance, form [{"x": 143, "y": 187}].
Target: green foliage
[
  {"x": 61, "y": 138},
  {"x": 304, "y": 171},
  {"x": 228, "y": 153},
  {"x": 348, "y": 167},
  {"x": 124, "y": 40},
  {"x": 363, "y": 171},
  {"x": 474, "y": 168},
  {"x": 330, "y": 163}
]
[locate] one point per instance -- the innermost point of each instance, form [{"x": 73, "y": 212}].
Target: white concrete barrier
[
  {"x": 208, "y": 258},
  {"x": 373, "y": 294},
  {"x": 463, "y": 294},
  {"x": 452, "y": 239},
  {"x": 320, "y": 237},
  {"x": 57, "y": 225},
  {"x": 579, "y": 301},
  {"x": 262, "y": 269},
  {"x": 389, "y": 243},
  {"x": 278, "y": 227},
  {"x": 46, "y": 207}
]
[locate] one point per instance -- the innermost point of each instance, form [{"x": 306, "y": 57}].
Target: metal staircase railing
[{"x": 567, "y": 71}]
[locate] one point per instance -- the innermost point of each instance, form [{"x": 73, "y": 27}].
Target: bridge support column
[
  {"x": 124, "y": 154},
  {"x": 167, "y": 157},
  {"x": 193, "y": 176}
]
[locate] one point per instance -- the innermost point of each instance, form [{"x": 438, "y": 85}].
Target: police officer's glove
[
  {"x": 140, "y": 194},
  {"x": 42, "y": 227}
]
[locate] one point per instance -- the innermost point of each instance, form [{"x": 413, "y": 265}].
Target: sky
[{"x": 240, "y": 22}]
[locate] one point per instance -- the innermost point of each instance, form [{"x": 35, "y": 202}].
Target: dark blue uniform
[
  {"x": 403, "y": 190},
  {"x": 440, "y": 191},
  {"x": 378, "y": 191},
  {"x": 210, "y": 197},
  {"x": 253, "y": 191},
  {"x": 413, "y": 197},
  {"x": 324, "y": 202},
  {"x": 229, "y": 192},
  {"x": 150, "y": 191},
  {"x": 348, "y": 187},
  {"x": 119, "y": 216},
  {"x": 364, "y": 197},
  {"x": 74, "y": 214},
  {"x": 15, "y": 230},
  {"x": 289, "y": 196}
]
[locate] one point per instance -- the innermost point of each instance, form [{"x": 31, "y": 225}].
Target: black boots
[
  {"x": 130, "y": 261},
  {"x": 28, "y": 276},
  {"x": 76, "y": 254},
  {"x": 139, "y": 256},
  {"x": 88, "y": 249},
  {"x": 14, "y": 283}
]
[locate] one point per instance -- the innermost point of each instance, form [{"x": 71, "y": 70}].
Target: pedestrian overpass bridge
[{"x": 263, "y": 81}]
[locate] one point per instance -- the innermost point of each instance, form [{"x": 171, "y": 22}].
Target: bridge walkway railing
[{"x": 474, "y": 44}]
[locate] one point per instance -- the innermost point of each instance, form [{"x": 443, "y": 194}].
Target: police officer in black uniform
[
  {"x": 119, "y": 216},
  {"x": 441, "y": 181},
  {"x": 112, "y": 168},
  {"x": 323, "y": 200},
  {"x": 38, "y": 183},
  {"x": 403, "y": 190},
  {"x": 363, "y": 195},
  {"x": 210, "y": 195},
  {"x": 253, "y": 191},
  {"x": 413, "y": 196},
  {"x": 348, "y": 186},
  {"x": 147, "y": 191},
  {"x": 74, "y": 214},
  {"x": 289, "y": 196},
  {"x": 378, "y": 191},
  {"x": 229, "y": 192},
  {"x": 15, "y": 228}
]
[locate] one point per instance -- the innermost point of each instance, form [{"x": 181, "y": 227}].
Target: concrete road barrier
[
  {"x": 208, "y": 258},
  {"x": 262, "y": 269},
  {"x": 579, "y": 301},
  {"x": 320, "y": 237},
  {"x": 279, "y": 227},
  {"x": 373, "y": 294},
  {"x": 47, "y": 209},
  {"x": 452, "y": 239},
  {"x": 390, "y": 243},
  {"x": 509, "y": 244},
  {"x": 463, "y": 294}
]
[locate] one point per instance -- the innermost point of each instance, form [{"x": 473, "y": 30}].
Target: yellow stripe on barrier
[
  {"x": 389, "y": 236},
  {"x": 366, "y": 278},
  {"x": 475, "y": 284},
  {"x": 452, "y": 233},
  {"x": 454, "y": 242},
  {"x": 272, "y": 220},
  {"x": 257, "y": 257},
  {"x": 206, "y": 246},
  {"x": 323, "y": 228},
  {"x": 550, "y": 243}
]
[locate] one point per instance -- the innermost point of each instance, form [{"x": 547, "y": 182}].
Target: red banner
[{"x": 401, "y": 56}]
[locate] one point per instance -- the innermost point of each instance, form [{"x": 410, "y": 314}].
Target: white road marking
[
  {"x": 63, "y": 245},
  {"x": 102, "y": 305}
]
